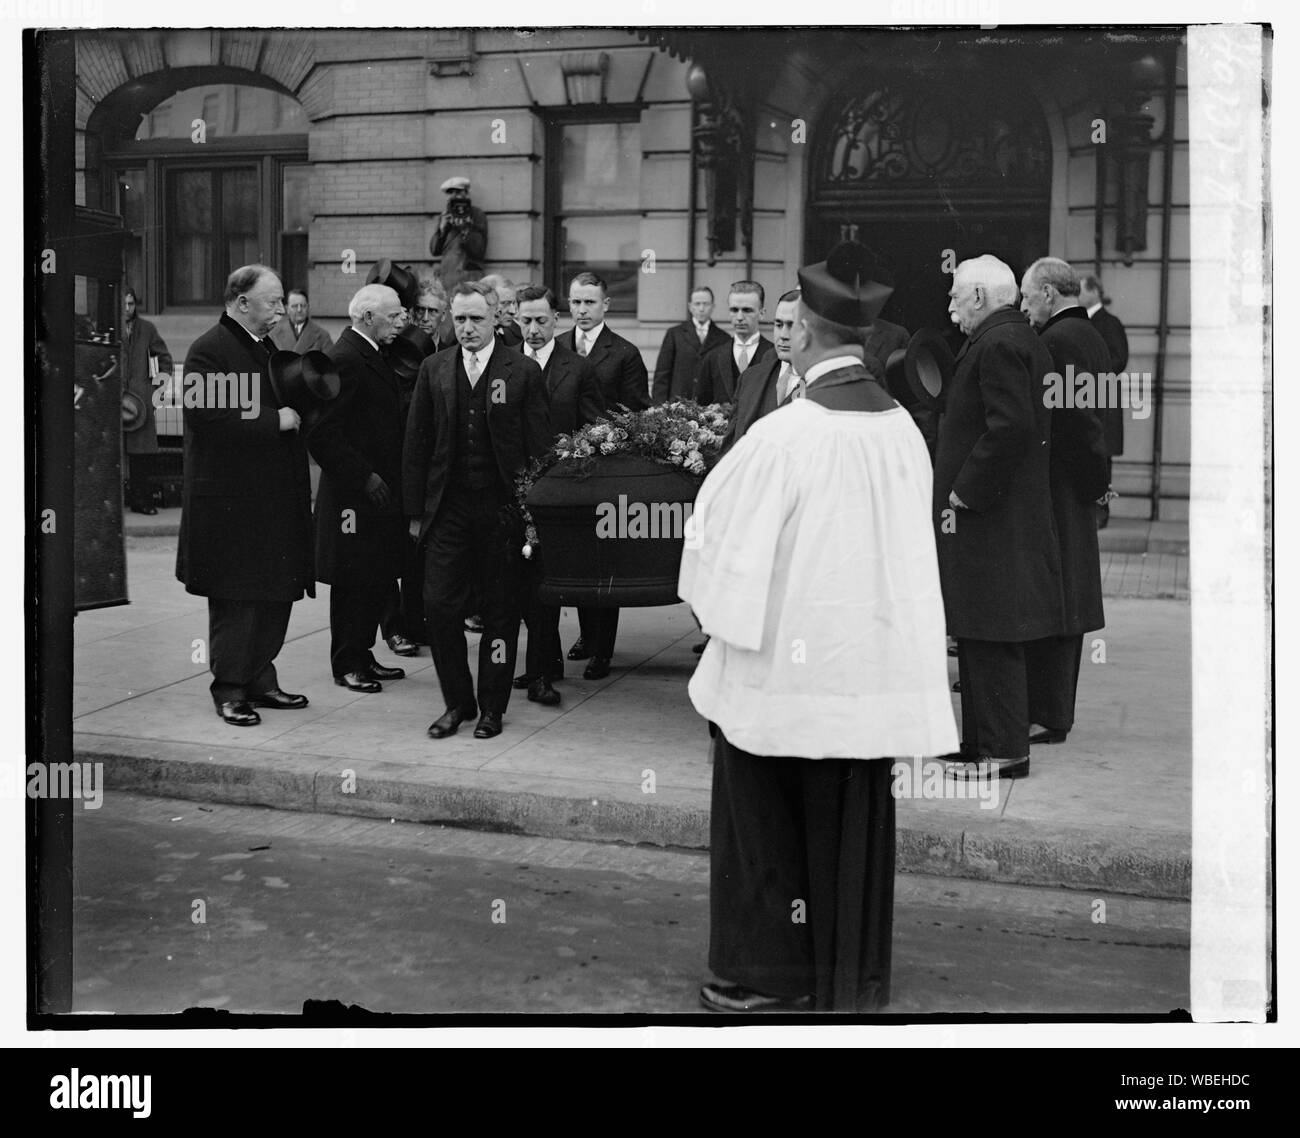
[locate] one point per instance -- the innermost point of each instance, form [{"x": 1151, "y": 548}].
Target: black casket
[{"x": 611, "y": 530}]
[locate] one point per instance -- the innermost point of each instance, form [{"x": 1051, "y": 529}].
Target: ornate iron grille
[{"x": 936, "y": 138}]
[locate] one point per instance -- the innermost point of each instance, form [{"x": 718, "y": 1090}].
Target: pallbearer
[{"x": 813, "y": 570}]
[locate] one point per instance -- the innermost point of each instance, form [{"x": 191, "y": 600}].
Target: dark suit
[
  {"x": 1116, "y": 340},
  {"x": 510, "y": 336},
  {"x": 781, "y": 826},
  {"x": 999, "y": 563},
  {"x": 621, "y": 373},
  {"x": 473, "y": 528},
  {"x": 617, "y": 366},
  {"x": 678, "y": 364},
  {"x": 1079, "y": 476},
  {"x": 359, "y": 545},
  {"x": 719, "y": 373},
  {"x": 573, "y": 400},
  {"x": 312, "y": 337},
  {"x": 758, "y": 393},
  {"x": 245, "y": 537}
]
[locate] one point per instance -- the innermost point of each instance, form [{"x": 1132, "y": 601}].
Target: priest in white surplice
[{"x": 812, "y": 567}]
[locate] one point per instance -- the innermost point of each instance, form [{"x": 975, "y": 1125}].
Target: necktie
[
  {"x": 583, "y": 346},
  {"x": 742, "y": 356},
  {"x": 702, "y": 330},
  {"x": 471, "y": 369},
  {"x": 532, "y": 355}
]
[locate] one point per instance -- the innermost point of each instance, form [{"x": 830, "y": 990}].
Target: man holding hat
[
  {"x": 245, "y": 537},
  {"x": 812, "y": 568},
  {"x": 359, "y": 525},
  {"x": 460, "y": 242}
]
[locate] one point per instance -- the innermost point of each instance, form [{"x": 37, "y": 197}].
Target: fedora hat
[
  {"x": 135, "y": 413},
  {"x": 407, "y": 351},
  {"x": 918, "y": 374},
  {"x": 401, "y": 281},
  {"x": 304, "y": 382}
]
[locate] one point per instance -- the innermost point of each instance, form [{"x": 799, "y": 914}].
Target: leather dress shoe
[
  {"x": 597, "y": 668},
  {"x": 359, "y": 681},
  {"x": 541, "y": 691},
  {"x": 983, "y": 769},
  {"x": 400, "y": 646},
  {"x": 489, "y": 725},
  {"x": 523, "y": 680},
  {"x": 144, "y": 508},
  {"x": 281, "y": 700},
  {"x": 379, "y": 672},
  {"x": 719, "y": 997},
  {"x": 448, "y": 723},
  {"x": 579, "y": 651},
  {"x": 239, "y": 713},
  {"x": 474, "y": 623},
  {"x": 1048, "y": 735}
]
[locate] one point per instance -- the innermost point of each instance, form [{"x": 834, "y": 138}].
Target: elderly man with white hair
[
  {"x": 999, "y": 562},
  {"x": 359, "y": 527}
]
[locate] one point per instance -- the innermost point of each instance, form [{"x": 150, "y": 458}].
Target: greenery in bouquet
[{"x": 682, "y": 433}]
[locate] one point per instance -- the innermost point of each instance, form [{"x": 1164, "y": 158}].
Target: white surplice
[{"x": 811, "y": 564}]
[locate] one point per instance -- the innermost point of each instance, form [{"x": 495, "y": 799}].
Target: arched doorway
[{"x": 926, "y": 172}]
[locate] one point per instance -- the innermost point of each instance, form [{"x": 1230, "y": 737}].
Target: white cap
[{"x": 456, "y": 183}]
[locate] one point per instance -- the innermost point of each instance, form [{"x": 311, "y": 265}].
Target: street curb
[{"x": 1098, "y": 859}]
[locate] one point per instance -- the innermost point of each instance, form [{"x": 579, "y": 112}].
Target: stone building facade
[{"x": 667, "y": 159}]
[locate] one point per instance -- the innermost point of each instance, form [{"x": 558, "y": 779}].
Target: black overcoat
[
  {"x": 140, "y": 340},
  {"x": 357, "y": 434},
  {"x": 1078, "y": 471},
  {"x": 517, "y": 420},
  {"x": 246, "y": 504},
  {"x": 678, "y": 364},
  {"x": 999, "y": 563},
  {"x": 1112, "y": 331},
  {"x": 572, "y": 393},
  {"x": 618, "y": 367},
  {"x": 756, "y": 396}
]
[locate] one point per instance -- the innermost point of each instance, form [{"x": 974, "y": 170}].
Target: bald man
[{"x": 999, "y": 563}]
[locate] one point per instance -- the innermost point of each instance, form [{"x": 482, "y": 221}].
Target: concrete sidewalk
[{"x": 626, "y": 758}]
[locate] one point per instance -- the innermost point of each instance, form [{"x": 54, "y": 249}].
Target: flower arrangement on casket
[{"x": 629, "y": 476}]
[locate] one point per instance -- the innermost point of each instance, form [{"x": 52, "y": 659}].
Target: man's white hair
[
  {"x": 993, "y": 276},
  {"x": 368, "y": 298}
]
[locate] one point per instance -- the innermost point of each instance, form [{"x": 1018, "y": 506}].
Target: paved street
[{"x": 398, "y": 917}]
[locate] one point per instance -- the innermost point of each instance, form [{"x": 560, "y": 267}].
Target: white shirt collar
[
  {"x": 702, "y": 325},
  {"x": 591, "y": 337},
  {"x": 1092, "y": 309},
  {"x": 543, "y": 353},
  {"x": 823, "y": 367},
  {"x": 251, "y": 335},
  {"x": 484, "y": 354},
  {"x": 747, "y": 343},
  {"x": 367, "y": 339}
]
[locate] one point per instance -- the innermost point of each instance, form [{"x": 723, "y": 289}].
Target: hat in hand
[
  {"x": 304, "y": 382},
  {"x": 917, "y": 375}
]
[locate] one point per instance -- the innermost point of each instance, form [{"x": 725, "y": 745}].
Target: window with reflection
[{"x": 596, "y": 206}]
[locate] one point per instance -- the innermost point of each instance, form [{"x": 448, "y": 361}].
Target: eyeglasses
[{"x": 419, "y": 311}]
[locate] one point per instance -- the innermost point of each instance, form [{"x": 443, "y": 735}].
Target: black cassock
[{"x": 802, "y": 851}]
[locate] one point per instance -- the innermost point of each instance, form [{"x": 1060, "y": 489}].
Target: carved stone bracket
[{"x": 450, "y": 51}]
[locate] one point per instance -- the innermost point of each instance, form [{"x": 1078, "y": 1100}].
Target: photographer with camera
[{"x": 461, "y": 240}]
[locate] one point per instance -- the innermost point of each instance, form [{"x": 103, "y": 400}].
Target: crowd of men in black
[{"x": 442, "y": 401}]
